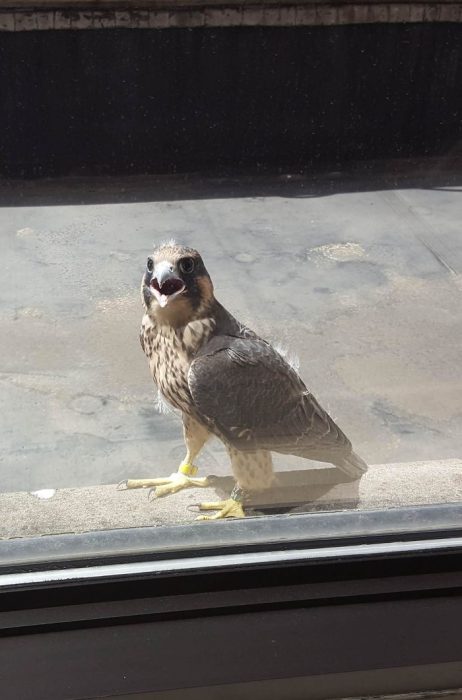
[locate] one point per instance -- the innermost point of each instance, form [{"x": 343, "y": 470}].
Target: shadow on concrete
[
  {"x": 433, "y": 173},
  {"x": 301, "y": 490}
]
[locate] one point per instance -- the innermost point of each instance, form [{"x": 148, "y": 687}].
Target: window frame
[{"x": 310, "y": 603}]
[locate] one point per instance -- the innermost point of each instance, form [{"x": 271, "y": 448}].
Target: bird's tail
[{"x": 352, "y": 465}]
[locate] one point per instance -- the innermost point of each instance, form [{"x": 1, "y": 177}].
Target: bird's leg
[
  {"x": 195, "y": 436},
  {"x": 253, "y": 472}
]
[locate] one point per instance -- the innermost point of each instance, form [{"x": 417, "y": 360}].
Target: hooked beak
[{"x": 165, "y": 285}]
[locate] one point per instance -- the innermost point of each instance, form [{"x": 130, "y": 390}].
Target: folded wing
[{"x": 251, "y": 397}]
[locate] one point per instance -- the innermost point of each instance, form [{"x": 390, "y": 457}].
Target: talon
[
  {"x": 193, "y": 507},
  {"x": 226, "y": 509},
  {"x": 140, "y": 483}
]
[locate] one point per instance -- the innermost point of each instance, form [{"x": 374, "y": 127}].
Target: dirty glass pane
[{"x": 340, "y": 246}]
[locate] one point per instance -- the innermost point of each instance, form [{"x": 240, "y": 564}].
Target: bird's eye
[
  {"x": 150, "y": 264},
  {"x": 187, "y": 265}
]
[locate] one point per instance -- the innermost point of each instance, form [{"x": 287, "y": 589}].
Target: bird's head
[{"x": 176, "y": 288}]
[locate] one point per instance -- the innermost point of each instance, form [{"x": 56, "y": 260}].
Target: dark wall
[{"x": 190, "y": 99}]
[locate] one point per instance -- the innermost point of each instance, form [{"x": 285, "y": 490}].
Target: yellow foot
[
  {"x": 227, "y": 509},
  {"x": 165, "y": 485}
]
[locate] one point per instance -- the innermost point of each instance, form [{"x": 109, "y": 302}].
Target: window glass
[{"x": 312, "y": 176}]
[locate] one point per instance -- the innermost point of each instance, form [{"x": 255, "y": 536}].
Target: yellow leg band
[{"x": 187, "y": 469}]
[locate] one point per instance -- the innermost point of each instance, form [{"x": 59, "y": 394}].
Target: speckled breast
[{"x": 170, "y": 352}]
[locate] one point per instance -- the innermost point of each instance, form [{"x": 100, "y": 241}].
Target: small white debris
[
  {"x": 43, "y": 494},
  {"x": 25, "y": 232}
]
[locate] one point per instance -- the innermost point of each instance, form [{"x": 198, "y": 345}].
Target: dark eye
[
  {"x": 150, "y": 264},
  {"x": 187, "y": 265}
]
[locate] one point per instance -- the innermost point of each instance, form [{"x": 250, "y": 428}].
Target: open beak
[{"x": 165, "y": 285}]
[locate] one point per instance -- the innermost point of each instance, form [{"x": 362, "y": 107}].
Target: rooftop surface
[{"x": 358, "y": 279}]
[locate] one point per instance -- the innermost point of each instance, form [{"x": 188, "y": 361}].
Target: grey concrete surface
[
  {"x": 74, "y": 510},
  {"x": 360, "y": 281}
]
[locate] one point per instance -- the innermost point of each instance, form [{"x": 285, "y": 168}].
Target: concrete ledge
[
  {"x": 103, "y": 507},
  {"x": 169, "y": 14}
]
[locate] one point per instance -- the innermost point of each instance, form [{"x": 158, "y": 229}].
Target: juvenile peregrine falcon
[{"x": 227, "y": 382}]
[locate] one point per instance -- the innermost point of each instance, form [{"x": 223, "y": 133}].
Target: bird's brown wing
[{"x": 251, "y": 397}]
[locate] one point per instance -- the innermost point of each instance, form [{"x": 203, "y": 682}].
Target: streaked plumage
[{"x": 226, "y": 380}]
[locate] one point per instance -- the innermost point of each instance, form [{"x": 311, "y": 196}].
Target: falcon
[{"x": 227, "y": 382}]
